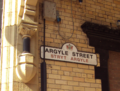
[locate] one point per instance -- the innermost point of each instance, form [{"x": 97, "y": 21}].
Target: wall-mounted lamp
[
  {"x": 118, "y": 22},
  {"x": 80, "y": 1},
  {"x": 57, "y": 16}
]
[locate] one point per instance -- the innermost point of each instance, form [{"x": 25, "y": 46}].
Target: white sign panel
[{"x": 69, "y": 53}]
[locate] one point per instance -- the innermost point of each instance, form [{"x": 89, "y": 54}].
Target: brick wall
[
  {"x": 64, "y": 76},
  {"x": 114, "y": 68},
  {"x": 103, "y": 11}
]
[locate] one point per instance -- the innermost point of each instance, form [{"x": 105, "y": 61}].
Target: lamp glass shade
[{"x": 80, "y": 1}]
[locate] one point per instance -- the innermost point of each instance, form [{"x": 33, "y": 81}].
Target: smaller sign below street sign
[{"x": 69, "y": 53}]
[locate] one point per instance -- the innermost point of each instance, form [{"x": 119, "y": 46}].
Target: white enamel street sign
[{"x": 69, "y": 53}]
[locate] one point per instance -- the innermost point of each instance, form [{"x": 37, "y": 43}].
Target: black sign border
[{"x": 67, "y": 61}]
